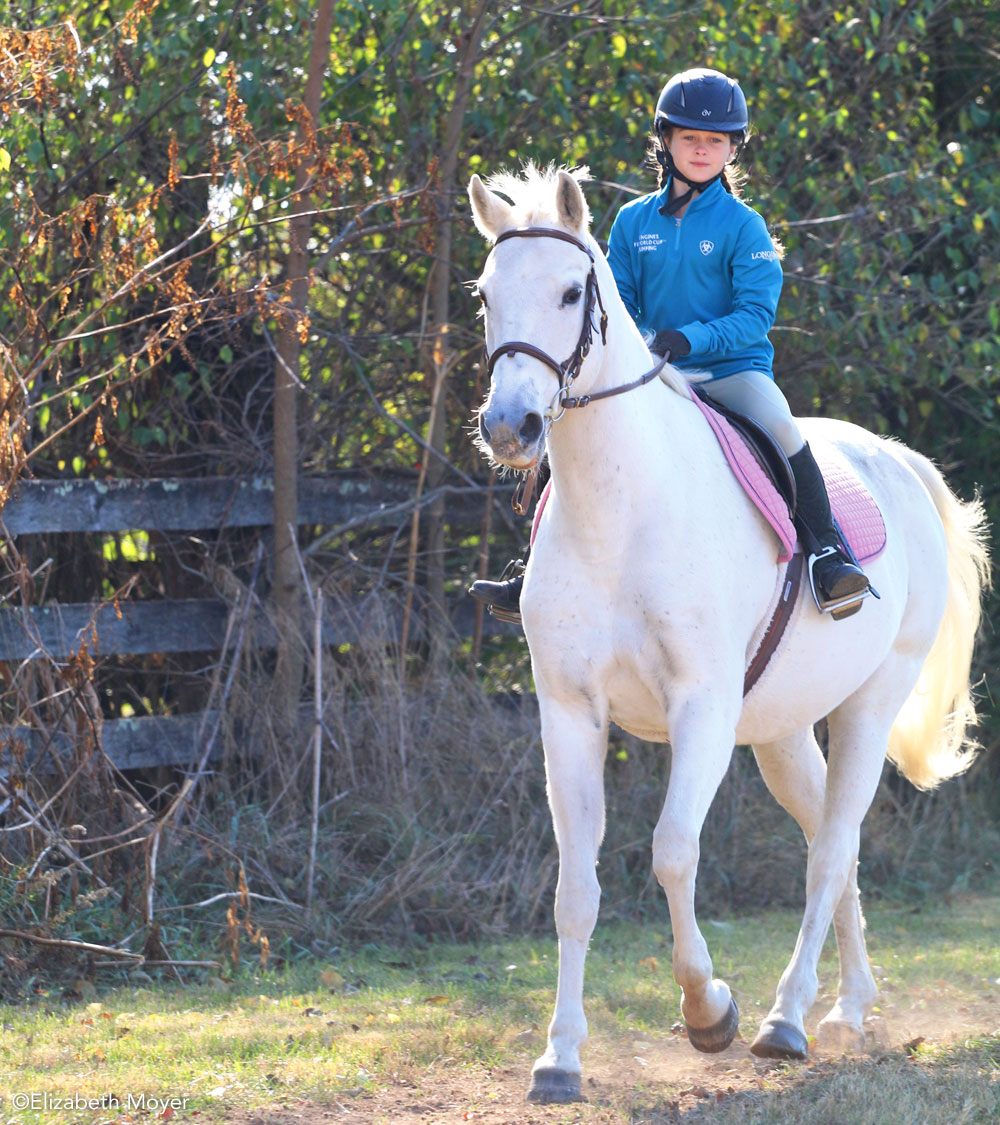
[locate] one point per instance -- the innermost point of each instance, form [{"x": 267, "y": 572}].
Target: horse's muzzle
[{"x": 515, "y": 443}]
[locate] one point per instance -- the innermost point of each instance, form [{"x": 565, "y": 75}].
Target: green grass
[
  {"x": 959, "y": 1084},
  {"x": 369, "y": 1021}
]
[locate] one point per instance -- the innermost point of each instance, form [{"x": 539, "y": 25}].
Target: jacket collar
[{"x": 702, "y": 197}]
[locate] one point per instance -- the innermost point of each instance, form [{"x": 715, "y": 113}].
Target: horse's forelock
[{"x": 532, "y": 192}]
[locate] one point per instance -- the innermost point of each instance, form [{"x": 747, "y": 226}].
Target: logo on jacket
[{"x": 705, "y": 246}]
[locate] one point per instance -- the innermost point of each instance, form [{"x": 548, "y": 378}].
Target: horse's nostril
[
  {"x": 531, "y": 429},
  {"x": 484, "y": 431}
]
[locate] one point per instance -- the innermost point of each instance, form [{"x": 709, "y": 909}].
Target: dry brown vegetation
[{"x": 146, "y": 282}]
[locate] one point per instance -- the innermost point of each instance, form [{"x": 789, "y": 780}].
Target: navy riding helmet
[{"x": 703, "y": 99}]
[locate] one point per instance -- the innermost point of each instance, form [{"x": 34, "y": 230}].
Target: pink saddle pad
[
  {"x": 756, "y": 483},
  {"x": 854, "y": 508},
  {"x": 853, "y": 505}
]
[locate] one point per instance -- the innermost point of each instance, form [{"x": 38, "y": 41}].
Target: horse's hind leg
[
  {"x": 859, "y": 733},
  {"x": 795, "y": 772},
  {"x": 575, "y": 746},
  {"x": 843, "y": 1027}
]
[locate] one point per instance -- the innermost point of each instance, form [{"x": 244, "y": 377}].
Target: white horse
[{"x": 650, "y": 575}]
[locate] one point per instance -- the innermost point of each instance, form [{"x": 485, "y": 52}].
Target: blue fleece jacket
[{"x": 713, "y": 275}]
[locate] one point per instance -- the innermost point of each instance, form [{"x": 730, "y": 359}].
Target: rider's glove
[{"x": 670, "y": 344}]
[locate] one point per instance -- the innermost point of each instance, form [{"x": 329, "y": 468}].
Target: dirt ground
[{"x": 664, "y": 1080}]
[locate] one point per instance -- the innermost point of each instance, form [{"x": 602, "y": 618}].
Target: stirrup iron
[
  {"x": 511, "y": 616},
  {"x": 842, "y": 607}
]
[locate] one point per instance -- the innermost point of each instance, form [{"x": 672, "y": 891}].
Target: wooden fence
[{"x": 190, "y": 625}]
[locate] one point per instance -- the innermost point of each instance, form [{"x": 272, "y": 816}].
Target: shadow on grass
[{"x": 959, "y": 1083}]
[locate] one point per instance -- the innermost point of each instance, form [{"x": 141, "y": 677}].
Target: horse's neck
[{"x": 621, "y": 458}]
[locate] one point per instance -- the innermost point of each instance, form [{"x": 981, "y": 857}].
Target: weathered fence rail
[
  {"x": 143, "y": 627},
  {"x": 139, "y": 628},
  {"x": 186, "y": 504}
]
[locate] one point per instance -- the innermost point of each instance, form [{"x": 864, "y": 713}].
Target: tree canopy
[
  {"x": 147, "y": 164},
  {"x": 178, "y": 221}
]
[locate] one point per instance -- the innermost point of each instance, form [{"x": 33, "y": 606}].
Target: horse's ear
[
  {"x": 572, "y": 206},
  {"x": 490, "y": 213}
]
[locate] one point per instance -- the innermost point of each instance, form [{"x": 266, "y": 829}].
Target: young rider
[{"x": 701, "y": 276}]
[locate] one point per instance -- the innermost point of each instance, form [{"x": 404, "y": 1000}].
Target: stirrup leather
[
  {"x": 514, "y": 569},
  {"x": 841, "y": 607}
]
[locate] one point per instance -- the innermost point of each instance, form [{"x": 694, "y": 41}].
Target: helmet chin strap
[{"x": 666, "y": 162}]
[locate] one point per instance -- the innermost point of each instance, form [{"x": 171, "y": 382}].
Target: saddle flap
[
  {"x": 762, "y": 468},
  {"x": 752, "y": 475},
  {"x": 762, "y": 444}
]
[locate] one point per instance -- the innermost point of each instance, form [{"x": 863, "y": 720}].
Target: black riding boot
[
  {"x": 835, "y": 578},
  {"x": 504, "y": 597}
]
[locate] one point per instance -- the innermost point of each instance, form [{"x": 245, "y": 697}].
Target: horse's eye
[
  {"x": 482, "y": 297},
  {"x": 572, "y": 295}
]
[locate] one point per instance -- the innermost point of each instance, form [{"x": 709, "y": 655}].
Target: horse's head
[{"x": 539, "y": 293}]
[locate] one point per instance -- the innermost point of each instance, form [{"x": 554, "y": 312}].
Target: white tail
[{"x": 929, "y": 741}]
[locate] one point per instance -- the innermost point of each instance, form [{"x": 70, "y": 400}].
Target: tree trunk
[
  {"x": 440, "y": 356},
  {"x": 288, "y": 600}
]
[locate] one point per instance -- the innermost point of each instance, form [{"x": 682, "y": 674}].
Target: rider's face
[{"x": 699, "y": 155}]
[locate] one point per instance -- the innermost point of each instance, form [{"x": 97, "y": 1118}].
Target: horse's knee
[{"x": 675, "y": 857}]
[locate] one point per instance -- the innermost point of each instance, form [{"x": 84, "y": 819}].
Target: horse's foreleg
[
  {"x": 575, "y": 746},
  {"x": 701, "y": 749},
  {"x": 795, "y": 772}
]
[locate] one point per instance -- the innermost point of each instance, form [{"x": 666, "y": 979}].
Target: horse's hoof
[
  {"x": 552, "y": 1086},
  {"x": 716, "y": 1038},
  {"x": 779, "y": 1040}
]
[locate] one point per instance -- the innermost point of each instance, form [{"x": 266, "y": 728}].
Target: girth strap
[{"x": 778, "y": 623}]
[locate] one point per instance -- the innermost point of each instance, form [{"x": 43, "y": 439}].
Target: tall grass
[
  {"x": 433, "y": 821},
  {"x": 436, "y": 819}
]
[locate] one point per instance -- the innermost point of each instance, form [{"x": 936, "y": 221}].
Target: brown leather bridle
[{"x": 569, "y": 369}]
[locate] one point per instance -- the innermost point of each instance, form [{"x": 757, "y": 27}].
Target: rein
[{"x": 569, "y": 369}]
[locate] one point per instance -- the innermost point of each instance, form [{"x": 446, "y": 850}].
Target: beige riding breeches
[{"x": 758, "y": 396}]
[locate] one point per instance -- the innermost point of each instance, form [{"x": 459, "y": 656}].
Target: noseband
[{"x": 569, "y": 369}]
